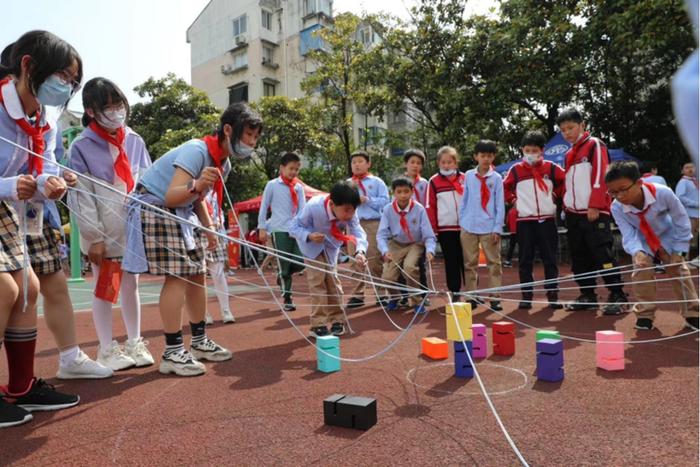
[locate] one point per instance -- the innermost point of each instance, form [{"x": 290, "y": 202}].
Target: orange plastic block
[{"x": 435, "y": 348}]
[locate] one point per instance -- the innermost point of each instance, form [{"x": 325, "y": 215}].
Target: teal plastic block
[{"x": 329, "y": 361}]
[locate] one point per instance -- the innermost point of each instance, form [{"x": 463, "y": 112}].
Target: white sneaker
[
  {"x": 115, "y": 358},
  {"x": 181, "y": 363},
  {"x": 210, "y": 350},
  {"x": 136, "y": 349},
  {"x": 227, "y": 317},
  {"x": 208, "y": 320},
  {"x": 83, "y": 367}
]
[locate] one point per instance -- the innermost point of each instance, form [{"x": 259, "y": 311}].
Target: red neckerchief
[
  {"x": 217, "y": 154},
  {"x": 402, "y": 217},
  {"x": 335, "y": 230},
  {"x": 416, "y": 180},
  {"x": 292, "y": 192},
  {"x": 35, "y": 165},
  {"x": 649, "y": 235},
  {"x": 692, "y": 179},
  {"x": 210, "y": 208},
  {"x": 485, "y": 192},
  {"x": 538, "y": 176},
  {"x": 454, "y": 180},
  {"x": 358, "y": 179},
  {"x": 122, "y": 168}
]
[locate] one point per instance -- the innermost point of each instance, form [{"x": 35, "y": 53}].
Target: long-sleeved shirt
[
  {"x": 420, "y": 188},
  {"x": 651, "y": 178},
  {"x": 418, "y": 225},
  {"x": 277, "y": 197},
  {"x": 378, "y": 196},
  {"x": 666, "y": 217},
  {"x": 687, "y": 192},
  {"x": 472, "y": 216},
  {"x": 585, "y": 165},
  {"x": 522, "y": 189},
  {"x": 442, "y": 202},
  {"x": 317, "y": 216}
]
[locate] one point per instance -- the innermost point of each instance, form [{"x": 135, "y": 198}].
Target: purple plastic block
[
  {"x": 550, "y": 346},
  {"x": 550, "y": 374},
  {"x": 545, "y": 360}
]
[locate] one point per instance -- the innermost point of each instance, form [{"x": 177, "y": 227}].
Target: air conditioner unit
[
  {"x": 266, "y": 61},
  {"x": 240, "y": 40},
  {"x": 226, "y": 69}
]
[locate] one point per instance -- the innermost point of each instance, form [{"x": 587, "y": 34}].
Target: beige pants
[
  {"x": 408, "y": 257},
  {"x": 470, "y": 250},
  {"x": 326, "y": 293},
  {"x": 374, "y": 259},
  {"x": 683, "y": 289}
]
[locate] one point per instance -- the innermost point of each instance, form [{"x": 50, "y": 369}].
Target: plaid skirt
[
  {"x": 43, "y": 251},
  {"x": 10, "y": 240},
  {"x": 165, "y": 247},
  {"x": 219, "y": 255}
]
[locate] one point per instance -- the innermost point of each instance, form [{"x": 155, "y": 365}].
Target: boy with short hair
[
  {"x": 587, "y": 208},
  {"x": 650, "y": 173},
  {"x": 285, "y": 197},
  {"x": 481, "y": 215},
  {"x": 532, "y": 185},
  {"x": 318, "y": 232},
  {"x": 414, "y": 161},
  {"x": 404, "y": 238},
  {"x": 373, "y": 197},
  {"x": 687, "y": 192},
  {"x": 653, "y": 224}
]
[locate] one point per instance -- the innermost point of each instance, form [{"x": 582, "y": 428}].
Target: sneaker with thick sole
[
  {"x": 319, "y": 331},
  {"x": 496, "y": 305},
  {"x": 227, "y": 317},
  {"x": 11, "y": 415},
  {"x": 553, "y": 302},
  {"x": 583, "y": 302},
  {"x": 525, "y": 303},
  {"x": 382, "y": 301},
  {"x": 289, "y": 305},
  {"x": 393, "y": 305},
  {"x": 617, "y": 304},
  {"x": 115, "y": 357},
  {"x": 208, "y": 319},
  {"x": 403, "y": 302},
  {"x": 507, "y": 264},
  {"x": 181, "y": 363},
  {"x": 420, "y": 309},
  {"x": 43, "y": 397},
  {"x": 136, "y": 349},
  {"x": 645, "y": 324},
  {"x": 337, "y": 329},
  {"x": 355, "y": 302},
  {"x": 210, "y": 351},
  {"x": 692, "y": 323},
  {"x": 83, "y": 367}
]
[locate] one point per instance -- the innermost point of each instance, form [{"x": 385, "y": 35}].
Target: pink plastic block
[
  {"x": 479, "y": 329},
  {"x": 609, "y": 336},
  {"x": 609, "y": 345},
  {"x": 479, "y": 342},
  {"x": 609, "y": 364}
]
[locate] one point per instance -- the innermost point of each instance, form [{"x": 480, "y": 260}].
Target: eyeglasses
[
  {"x": 615, "y": 194},
  {"x": 66, "y": 78}
]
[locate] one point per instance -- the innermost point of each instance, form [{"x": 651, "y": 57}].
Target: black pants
[
  {"x": 454, "y": 263},
  {"x": 541, "y": 236},
  {"x": 591, "y": 244},
  {"x": 512, "y": 241}
]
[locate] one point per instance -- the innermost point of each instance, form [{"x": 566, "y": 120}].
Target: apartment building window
[
  {"x": 365, "y": 35},
  {"x": 240, "y": 26},
  {"x": 268, "y": 89},
  {"x": 317, "y": 6},
  {"x": 240, "y": 60},
  {"x": 267, "y": 55},
  {"x": 369, "y": 136},
  {"x": 267, "y": 20},
  {"x": 238, "y": 93}
]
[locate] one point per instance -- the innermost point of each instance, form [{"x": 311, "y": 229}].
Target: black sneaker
[
  {"x": 553, "y": 301},
  {"x": 289, "y": 305},
  {"x": 382, "y": 301},
  {"x": 11, "y": 415},
  {"x": 355, "y": 302},
  {"x": 403, "y": 303},
  {"x": 616, "y": 304},
  {"x": 507, "y": 263},
  {"x": 525, "y": 304},
  {"x": 496, "y": 305},
  {"x": 644, "y": 324},
  {"x": 43, "y": 397},
  {"x": 319, "y": 331},
  {"x": 473, "y": 303},
  {"x": 337, "y": 329},
  {"x": 692, "y": 323},
  {"x": 583, "y": 302}
]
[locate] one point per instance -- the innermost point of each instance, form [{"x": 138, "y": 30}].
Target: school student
[
  {"x": 168, "y": 245},
  {"x": 404, "y": 238},
  {"x": 284, "y": 197},
  {"x": 44, "y": 70},
  {"x": 414, "y": 161},
  {"x": 318, "y": 229},
  {"x": 216, "y": 262},
  {"x": 374, "y": 195},
  {"x": 653, "y": 224},
  {"x": 443, "y": 198},
  {"x": 113, "y": 154},
  {"x": 481, "y": 215}
]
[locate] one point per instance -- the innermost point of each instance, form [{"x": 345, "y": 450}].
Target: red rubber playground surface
[{"x": 265, "y": 406}]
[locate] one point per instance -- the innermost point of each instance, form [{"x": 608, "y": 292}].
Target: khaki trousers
[
  {"x": 683, "y": 289},
  {"x": 374, "y": 259},
  {"x": 408, "y": 257},
  {"x": 470, "y": 251},
  {"x": 326, "y": 293}
]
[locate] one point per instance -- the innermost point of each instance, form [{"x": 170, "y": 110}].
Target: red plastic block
[{"x": 503, "y": 338}]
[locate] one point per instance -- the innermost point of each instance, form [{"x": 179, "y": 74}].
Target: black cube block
[{"x": 350, "y": 411}]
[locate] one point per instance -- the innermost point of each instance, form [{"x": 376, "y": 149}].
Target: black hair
[
  {"x": 533, "y": 138},
  {"x": 288, "y": 157},
  {"x": 6, "y": 57},
  {"x": 401, "y": 181},
  {"x": 622, "y": 169},
  {"x": 360, "y": 154},
  {"x": 485, "y": 145},
  {"x": 648, "y": 166},
  {"x": 569, "y": 115},
  {"x": 49, "y": 54},
  {"x": 345, "y": 192},
  {"x": 239, "y": 116},
  {"x": 98, "y": 93},
  {"x": 414, "y": 153}
]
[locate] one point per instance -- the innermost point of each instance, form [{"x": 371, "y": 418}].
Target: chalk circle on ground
[{"x": 439, "y": 378}]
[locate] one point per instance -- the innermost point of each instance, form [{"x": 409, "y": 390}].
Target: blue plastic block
[
  {"x": 461, "y": 358},
  {"x": 329, "y": 345},
  {"x": 545, "y": 360},
  {"x": 459, "y": 346},
  {"x": 463, "y": 371},
  {"x": 550, "y": 346},
  {"x": 550, "y": 374}
]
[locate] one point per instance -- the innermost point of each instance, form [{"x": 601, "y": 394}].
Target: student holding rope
[{"x": 216, "y": 262}]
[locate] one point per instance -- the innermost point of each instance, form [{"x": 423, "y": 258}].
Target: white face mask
[
  {"x": 531, "y": 158},
  {"x": 242, "y": 151},
  {"x": 112, "y": 119},
  {"x": 448, "y": 173}
]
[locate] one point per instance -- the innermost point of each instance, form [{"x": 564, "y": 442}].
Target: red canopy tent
[{"x": 253, "y": 204}]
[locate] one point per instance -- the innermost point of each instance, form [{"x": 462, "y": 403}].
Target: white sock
[
  {"x": 68, "y": 355},
  {"x": 131, "y": 305},
  {"x": 102, "y": 316},
  {"x": 218, "y": 275}
]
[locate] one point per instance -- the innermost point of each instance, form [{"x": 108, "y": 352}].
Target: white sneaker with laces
[
  {"x": 136, "y": 349},
  {"x": 208, "y": 320},
  {"x": 83, "y": 367},
  {"x": 227, "y": 317},
  {"x": 210, "y": 350},
  {"x": 182, "y": 363},
  {"x": 115, "y": 358}
]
